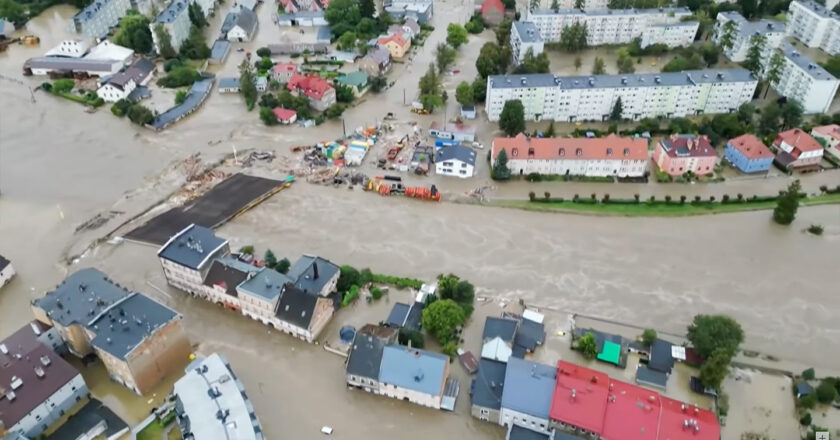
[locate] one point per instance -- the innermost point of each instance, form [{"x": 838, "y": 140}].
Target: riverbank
[{"x": 659, "y": 209}]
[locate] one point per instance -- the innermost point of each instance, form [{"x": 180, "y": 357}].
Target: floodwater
[{"x": 60, "y": 166}]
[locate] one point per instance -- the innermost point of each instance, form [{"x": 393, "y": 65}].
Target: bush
[
  {"x": 247, "y": 249},
  {"x": 63, "y": 85},
  {"x": 171, "y": 64},
  {"x": 532, "y": 196},
  {"x": 815, "y": 229},
  {"x": 547, "y": 195},
  {"x": 805, "y": 420},
  {"x": 376, "y": 292},
  {"x": 415, "y": 337},
  {"x": 667, "y": 199},
  {"x": 398, "y": 282},
  {"x": 682, "y": 200},
  {"x": 179, "y": 76},
  {"x": 808, "y": 374},
  {"x": 606, "y": 198},
  {"x": 826, "y": 392},
  {"x": 534, "y": 177},
  {"x": 263, "y": 52},
  {"x": 351, "y": 295},
  {"x": 807, "y": 402}
]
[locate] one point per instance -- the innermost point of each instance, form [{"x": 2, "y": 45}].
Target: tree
[
  {"x": 791, "y": 114},
  {"x": 578, "y": 63},
  {"x": 648, "y": 336},
  {"x": 825, "y": 392},
  {"x": 461, "y": 291},
  {"x": 412, "y": 338},
  {"x": 490, "y": 60},
  {"x": 263, "y": 52},
  {"x": 283, "y": 265},
  {"x": 745, "y": 113},
  {"x": 456, "y": 35},
  {"x": 726, "y": 38},
  {"x": 429, "y": 83},
  {"x": 809, "y": 374},
  {"x": 617, "y": 110},
  {"x": 335, "y": 111},
  {"x": 574, "y": 37},
  {"x": 500, "y": 170},
  {"x": 710, "y": 332},
  {"x": 13, "y": 11},
  {"x": 367, "y": 8},
  {"x": 549, "y": 132},
  {"x": 587, "y": 346},
  {"x": 475, "y": 25},
  {"x": 343, "y": 16},
  {"x": 710, "y": 54},
  {"x": 134, "y": 32},
  {"x": 344, "y": 93},
  {"x": 179, "y": 76},
  {"x": 247, "y": 86},
  {"x": 533, "y": 63},
  {"x": 347, "y": 41},
  {"x": 512, "y": 118},
  {"x": 444, "y": 56},
  {"x": 679, "y": 63},
  {"x": 63, "y": 85},
  {"x": 267, "y": 116},
  {"x": 624, "y": 62},
  {"x": 599, "y": 68},
  {"x": 805, "y": 420},
  {"x": 769, "y": 120},
  {"x": 441, "y": 319},
  {"x": 715, "y": 368},
  {"x": 121, "y": 107},
  {"x": 164, "y": 42},
  {"x": 378, "y": 83},
  {"x": 180, "y": 96},
  {"x": 787, "y": 204},
  {"x": 479, "y": 88},
  {"x": 347, "y": 276},
  {"x": 464, "y": 93},
  {"x": 195, "y": 46},
  {"x": 754, "y": 53},
  {"x": 431, "y": 102},
  {"x": 196, "y": 15},
  {"x": 140, "y": 115},
  {"x": 503, "y": 32},
  {"x": 270, "y": 259},
  {"x": 832, "y": 64},
  {"x": 748, "y": 7}
]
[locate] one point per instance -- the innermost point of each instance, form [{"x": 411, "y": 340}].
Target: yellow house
[{"x": 396, "y": 43}]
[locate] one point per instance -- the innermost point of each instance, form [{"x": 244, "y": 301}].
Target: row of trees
[{"x": 432, "y": 93}]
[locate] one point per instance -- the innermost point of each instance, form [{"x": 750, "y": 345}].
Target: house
[
  {"x": 419, "y": 10},
  {"x": 409, "y": 28},
  {"x": 610, "y": 347},
  {"x": 527, "y": 394},
  {"x": 684, "y": 153},
  {"x": 815, "y": 25},
  {"x": 116, "y": 87},
  {"x": 456, "y": 161},
  {"x": 802, "y": 388},
  {"x": 415, "y": 375},
  {"x": 529, "y": 334},
  {"x": 404, "y": 315},
  {"x": 579, "y": 399},
  {"x": 376, "y": 62},
  {"x": 7, "y": 28},
  {"x": 396, "y": 43},
  {"x": 219, "y": 51},
  {"x": 357, "y": 80},
  {"x": 365, "y": 356},
  {"x": 7, "y": 272},
  {"x": 319, "y": 92},
  {"x": 801, "y": 78},
  {"x": 240, "y": 26},
  {"x": 516, "y": 432},
  {"x": 497, "y": 338},
  {"x": 260, "y": 294},
  {"x": 94, "y": 420},
  {"x": 285, "y": 116},
  {"x": 611, "y": 26},
  {"x": 773, "y": 32},
  {"x": 797, "y": 149},
  {"x": 281, "y": 72},
  {"x": 139, "y": 341},
  {"x": 187, "y": 256},
  {"x": 468, "y": 111},
  {"x": 141, "y": 71},
  {"x": 315, "y": 275},
  {"x": 748, "y": 154},
  {"x": 261, "y": 83},
  {"x": 47, "y": 65},
  {"x": 457, "y": 132},
  {"x": 70, "y": 49},
  {"x": 211, "y": 402},
  {"x": 228, "y": 84},
  {"x": 659, "y": 365},
  {"x": 486, "y": 390},
  {"x": 830, "y": 137},
  {"x": 224, "y": 276},
  {"x": 492, "y": 12},
  {"x": 38, "y": 385},
  {"x": 302, "y": 314}
]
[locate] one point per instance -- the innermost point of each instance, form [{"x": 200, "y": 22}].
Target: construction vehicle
[{"x": 417, "y": 107}]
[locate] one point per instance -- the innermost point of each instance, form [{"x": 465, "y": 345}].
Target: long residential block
[
  {"x": 803, "y": 80},
  {"x": 773, "y": 31},
  {"x": 648, "y": 95},
  {"x": 97, "y": 18},
  {"x": 814, "y": 25},
  {"x": 175, "y": 20},
  {"x": 524, "y": 36}
]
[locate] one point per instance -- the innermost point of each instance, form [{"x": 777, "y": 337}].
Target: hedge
[{"x": 399, "y": 282}]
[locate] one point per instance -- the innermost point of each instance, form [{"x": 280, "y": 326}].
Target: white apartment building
[
  {"x": 176, "y": 20},
  {"x": 610, "y": 26},
  {"x": 524, "y": 36},
  {"x": 97, "y": 18},
  {"x": 570, "y": 4},
  {"x": 803, "y": 80},
  {"x": 814, "y": 25},
  {"x": 677, "y": 34},
  {"x": 773, "y": 31},
  {"x": 646, "y": 95}
]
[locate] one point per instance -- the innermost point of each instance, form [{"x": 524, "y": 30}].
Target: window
[
  {"x": 609, "y": 151},
  {"x": 531, "y": 151},
  {"x": 514, "y": 152},
  {"x": 578, "y": 152},
  {"x": 562, "y": 152}
]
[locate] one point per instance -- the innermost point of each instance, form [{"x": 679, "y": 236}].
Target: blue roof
[
  {"x": 70, "y": 302},
  {"x": 819, "y": 9},
  {"x": 528, "y": 387},
  {"x": 191, "y": 247},
  {"x": 687, "y": 77},
  {"x": 267, "y": 283},
  {"x": 220, "y": 49},
  {"x": 488, "y": 384},
  {"x": 805, "y": 63},
  {"x": 501, "y": 327},
  {"x": 198, "y": 92},
  {"x": 413, "y": 369},
  {"x": 365, "y": 356},
  {"x": 519, "y": 433},
  {"x": 530, "y": 334},
  {"x": 303, "y": 272},
  {"x": 228, "y": 82},
  {"x": 128, "y": 324},
  {"x": 91, "y": 10}
]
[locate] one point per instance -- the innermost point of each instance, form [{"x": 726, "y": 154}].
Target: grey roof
[
  {"x": 248, "y": 4},
  {"x": 208, "y": 388},
  {"x": 399, "y": 312},
  {"x": 519, "y": 433},
  {"x": 91, "y": 10},
  {"x": 527, "y": 31},
  {"x": 267, "y": 283},
  {"x": 310, "y": 273},
  {"x": 3, "y": 262},
  {"x": 746, "y": 27},
  {"x": 230, "y": 21},
  {"x": 87, "y": 419},
  {"x": 229, "y": 82},
  {"x": 171, "y": 11},
  {"x": 70, "y": 302},
  {"x": 247, "y": 20},
  {"x": 129, "y": 323},
  {"x": 806, "y": 64},
  {"x": 528, "y": 387},
  {"x": 6, "y": 27},
  {"x": 198, "y": 92},
  {"x": 220, "y": 49},
  {"x": 365, "y": 356},
  {"x": 689, "y": 23},
  {"x": 651, "y": 377},
  {"x": 803, "y": 388},
  {"x": 71, "y": 64},
  {"x": 379, "y": 54},
  {"x": 819, "y": 9},
  {"x": 530, "y": 334},
  {"x": 140, "y": 69},
  {"x": 600, "y": 337},
  {"x": 488, "y": 384},
  {"x": 191, "y": 247},
  {"x": 687, "y": 77},
  {"x": 229, "y": 272},
  {"x": 499, "y": 327},
  {"x": 660, "y": 356},
  {"x": 413, "y": 369},
  {"x": 119, "y": 79},
  {"x": 459, "y": 152},
  {"x": 412, "y": 321},
  {"x": 599, "y": 12},
  {"x": 296, "y": 306}
]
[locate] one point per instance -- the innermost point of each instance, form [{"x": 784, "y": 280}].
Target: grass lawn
[
  {"x": 674, "y": 209},
  {"x": 152, "y": 431}
]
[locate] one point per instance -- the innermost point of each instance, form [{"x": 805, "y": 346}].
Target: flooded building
[
  {"x": 93, "y": 421},
  {"x": 814, "y": 25},
  {"x": 315, "y": 275},
  {"x": 319, "y": 92},
  {"x": 418, "y": 376},
  {"x": 365, "y": 356},
  {"x": 526, "y": 395},
  {"x": 680, "y": 154},
  {"x": 187, "y": 256},
  {"x": 455, "y": 161},
  {"x": 139, "y": 340},
  {"x": 223, "y": 278},
  {"x": 7, "y": 272},
  {"x": 524, "y": 36},
  {"x": 803, "y": 79},
  {"x": 748, "y": 154},
  {"x": 301, "y": 314},
  {"x": 174, "y": 18},
  {"x": 211, "y": 403},
  {"x": 37, "y": 386},
  {"x": 797, "y": 149},
  {"x": 486, "y": 390},
  {"x": 772, "y": 30},
  {"x": 97, "y": 18}
]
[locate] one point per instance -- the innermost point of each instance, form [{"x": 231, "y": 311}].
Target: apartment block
[
  {"x": 648, "y": 95},
  {"x": 524, "y": 36},
  {"x": 803, "y": 80},
  {"x": 176, "y": 20},
  {"x": 773, "y": 31},
  {"x": 570, "y": 4},
  {"x": 97, "y": 18},
  {"x": 187, "y": 256},
  {"x": 670, "y": 34},
  {"x": 814, "y": 25},
  {"x": 610, "y": 26}
]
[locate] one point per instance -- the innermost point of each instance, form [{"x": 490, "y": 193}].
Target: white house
[
  {"x": 803, "y": 80},
  {"x": 240, "y": 26},
  {"x": 229, "y": 85},
  {"x": 524, "y": 36},
  {"x": 643, "y": 95},
  {"x": 259, "y": 294},
  {"x": 187, "y": 256},
  {"x": 7, "y": 272},
  {"x": 677, "y": 34},
  {"x": 814, "y": 25},
  {"x": 455, "y": 161},
  {"x": 772, "y": 30},
  {"x": 830, "y": 134},
  {"x": 117, "y": 87},
  {"x": 456, "y": 132}
]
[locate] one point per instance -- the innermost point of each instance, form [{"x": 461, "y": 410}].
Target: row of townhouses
[
  {"x": 647, "y": 95},
  {"x": 300, "y": 302},
  {"x": 814, "y": 25},
  {"x": 175, "y": 20}
]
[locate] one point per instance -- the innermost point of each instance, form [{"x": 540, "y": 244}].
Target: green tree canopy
[
  {"x": 769, "y": 121},
  {"x": 347, "y": 41},
  {"x": 715, "y": 368},
  {"x": 648, "y": 336},
  {"x": 587, "y": 346},
  {"x": 179, "y": 76},
  {"x": 267, "y": 116},
  {"x": 442, "y": 318},
  {"x": 503, "y": 32},
  {"x": 431, "y": 101},
  {"x": 533, "y": 63},
  {"x": 787, "y": 204},
  {"x": 247, "y": 85},
  {"x": 727, "y": 35},
  {"x": 479, "y": 87},
  {"x": 367, "y": 8},
  {"x": 429, "y": 83},
  {"x": 456, "y": 35},
  {"x": 754, "y": 54},
  {"x": 283, "y": 265},
  {"x": 710, "y": 332},
  {"x": 512, "y": 118},
  {"x": 195, "y": 46},
  {"x": 444, "y": 56},
  {"x": 140, "y": 115},
  {"x": 490, "y": 60},
  {"x": 574, "y": 37},
  {"x": 454, "y": 288},
  {"x": 791, "y": 114},
  {"x": 826, "y": 392},
  {"x": 343, "y": 16},
  {"x": 196, "y": 15},
  {"x": 599, "y": 68},
  {"x": 134, "y": 33},
  {"x": 164, "y": 41},
  {"x": 500, "y": 169},
  {"x": 348, "y": 276},
  {"x": 344, "y": 93},
  {"x": 464, "y": 93},
  {"x": 617, "y": 110}
]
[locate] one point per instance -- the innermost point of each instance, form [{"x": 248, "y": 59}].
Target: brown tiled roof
[{"x": 684, "y": 145}]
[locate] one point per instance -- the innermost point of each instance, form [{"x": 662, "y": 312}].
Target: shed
[
  {"x": 468, "y": 111},
  {"x": 284, "y": 115},
  {"x": 646, "y": 376},
  {"x": 802, "y": 388},
  {"x": 610, "y": 352}
]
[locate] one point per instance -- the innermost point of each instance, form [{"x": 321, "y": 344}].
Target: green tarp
[{"x": 610, "y": 352}]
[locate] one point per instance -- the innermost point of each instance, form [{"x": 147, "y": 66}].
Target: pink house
[
  {"x": 679, "y": 154},
  {"x": 797, "y": 149}
]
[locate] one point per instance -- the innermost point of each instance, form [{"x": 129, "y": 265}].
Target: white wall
[
  {"x": 602, "y": 28},
  {"x": 52, "y": 408},
  {"x": 510, "y": 417},
  {"x": 454, "y": 168},
  {"x": 579, "y": 167},
  {"x": 416, "y": 397},
  {"x": 6, "y": 274}
]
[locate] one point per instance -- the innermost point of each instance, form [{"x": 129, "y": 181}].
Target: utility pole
[
  {"x": 343, "y": 128},
  {"x": 235, "y": 160},
  {"x": 403, "y": 95}
]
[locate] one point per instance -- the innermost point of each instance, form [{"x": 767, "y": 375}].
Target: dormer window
[
  {"x": 609, "y": 151},
  {"x": 562, "y": 152},
  {"x": 514, "y": 152},
  {"x": 530, "y": 151},
  {"x": 578, "y": 152}
]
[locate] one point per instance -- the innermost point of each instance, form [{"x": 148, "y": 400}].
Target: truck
[{"x": 417, "y": 107}]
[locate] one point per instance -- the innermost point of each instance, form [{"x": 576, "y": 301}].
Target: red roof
[
  {"x": 580, "y": 396},
  {"x": 750, "y": 146},
  {"x": 832, "y": 130},
  {"x": 313, "y": 86},
  {"x": 396, "y": 37},
  {"x": 797, "y": 139},
  {"x": 285, "y": 67},
  {"x": 283, "y": 114},
  {"x": 632, "y": 413},
  {"x": 610, "y": 147},
  {"x": 681, "y": 421},
  {"x": 492, "y": 4},
  {"x": 685, "y": 145}
]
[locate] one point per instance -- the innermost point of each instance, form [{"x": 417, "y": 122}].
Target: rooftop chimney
[{"x": 314, "y": 270}]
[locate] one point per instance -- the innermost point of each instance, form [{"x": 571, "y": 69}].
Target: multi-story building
[
  {"x": 420, "y": 10},
  {"x": 814, "y": 25},
  {"x": 175, "y": 20},
  {"x": 139, "y": 340},
  {"x": 570, "y": 4},
  {"x": 677, "y": 34},
  {"x": 396, "y": 43},
  {"x": 187, "y": 256},
  {"x": 683, "y": 153},
  {"x": 748, "y": 154},
  {"x": 222, "y": 280},
  {"x": 524, "y": 36},
  {"x": 486, "y": 396},
  {"x": 645, "y": 95},
  {"x": 803, "y": 80},
  {"x": 610, "y": 26},
  {"x": 314, "y": 275},
  {"x": 365, "y": 356},
  {"x": 301, "y": 314},
  {"x": 319, "y": 92},
  {"x": 415, "y": 375},
  {"x": 830, "y": 135},
  {"x": 208, "y": 6},
  {"x": 37, "y": 386},
  {"x": 607, "y": 156},
  {"x": 455, "y": 161},
  {"x": 211, "y": 402},
  {"x": 797, "y": 149},
  {"x": 97, "y": 18},
  {"x": 772, "y": 30},
  {"x": 526, "y": 395},
  {"x": 259, "y": 295}
]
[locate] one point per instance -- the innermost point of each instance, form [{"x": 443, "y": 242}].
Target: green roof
[
  {"x": 358, "y": 79},
  {"x": 610, "y": 352}
]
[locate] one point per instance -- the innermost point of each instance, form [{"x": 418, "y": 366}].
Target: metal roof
[
  {"x": 228, "y": 82},
  {"x": 229, "y": 273},
  {"x": 499, "y": 327},
  {"x": 91, "y": 10},
  {"x": 398, "y": 314},
  {"x": 296, "y": 306},
  {"x": 413, "y": 369},
  {"x": 3, "y": 262},
  {"x": 267, "y": 284},
  {"x": 365, "y": 356},
  {"x": 805, "y": 63},
  {"x": 519, "y": 433},
  {"x": 528, "y": 387},
  {"x": 459, "y": 152},
  {"x": 818, "y": 9},
  {"x": 631, "y": 80},
  {"x": 128, "y": 323},
  {"x": 191, "y": 247},
  {"x": 311, "y": 273},
  {"x": 647, "y": 376},
  {"x": 615, "y": 12},
  {"x": 73, "y": 64},
  {"x": 527, "y": 31},
  {"x": 81, "y": 297},
  {"x": 530, "y": 334},
  {"x": 198, "y": 92},
  {"x": 488, "y": 384},
  {"x": 87, "y": 419},
  {"x": 661, "y": 358}
]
